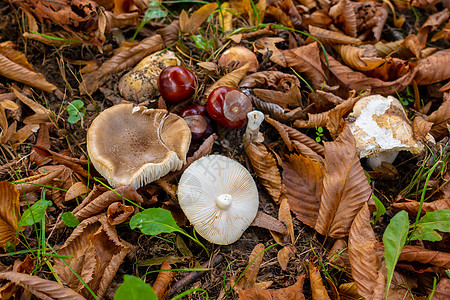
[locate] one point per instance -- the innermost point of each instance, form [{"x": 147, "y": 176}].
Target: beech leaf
[
  {"x": 153, "y": 221},
  {"x": 345, "y": 187},
  {"x": 394, "y": 238},
  {"x": 134, "y": 288}
]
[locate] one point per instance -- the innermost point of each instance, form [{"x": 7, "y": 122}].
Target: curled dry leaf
[
  {"x": 41, "y": 115},
  {"x": 353, "y": 80},
  {"x": 41, "y": 288},
  {"x": 441, "y": 118},
  {"x": 293, "y": 138},
  {"x": 266, "y": 221},
  {"x": 9, "y": 214},
  {"x": 275, "y": 111},
  {"x": 190, "y": 25},
  {"x": 345, "y": 187},
  {"x": 293, "y": 292},
  {"x": 95, "y": 252},
  {"x": 344, "y": 8},
  {"x": 249, "y": 278},
  {"x": 424, "y": 256},
  {"x": 118, "y": 213},
  {"x": 368, "y": 269},
  {"x": 76, "y": 190},
  {"x": 97, "y": 205},
  {"x": 265, "y": 166},
  {"x": 302, "y": 178},
  {"x": 14, "y": 65},
  {"x": 285, "y": 254},
  {"x": 332, "y": 37},
  {"x": 26, "y": 267},
  {"x": 338, "y": 255},
  {"x": 430, "y": 69},
  {"x": 120, "y": 62},
  {"x": 43, "y": 140},
  {"x": 421, "y": 128},
  {"x": 34, "y": 183},
  {"x": 412, "y": 206},
  {"x": 163, "y": 280},
  {"x": 358, "y": 58},
  {"x": 348, "y": 291},
  {"x": 319, "y": 292},
  {"x": 231, "y": 79}
]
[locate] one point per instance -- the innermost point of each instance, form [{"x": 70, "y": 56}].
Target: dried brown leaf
[
  {"x": 338, "y": 255},
  {"x": 265, "y": 166},
  {"x": 43, "y": 140},
  {"x": 285, "y": 254},
  {"x": 368, "y": 270},
  {"x": 430, "y": 69},
  {"x": 95, "y": 253},
  {"x": 34, "y": 183},
  {"x": 348, "y": 291},
  {"x": 303, "y": 178},
  {"x": 9, "y": 213},
  {"x": 424, "y": 256},
  {"x": 423, "y": 3},
  {"x": 276, "y": 112},
  {"x": 190, "y": 25},
  {"x": 356, "y": 58},
  {"x": 41, "y": 288},
  {"x": 319, "y": 292},
  {"x": 120, "y": 62},
  {"x": 421, "y": 128},
  {"x": 163, "y": 281},
  {"x": 76, "y": 190},
  {"x": 289, "y": 99},
  {"x": 279, "y": 15},
  {"x": 231, "y": 79},
  {"x": 13, "y": 65},
  {"x": 249, "y": 278},
  {"x": 344, "y": 8},
  {"x": 42, "y": 113},
  {"x": 284, "y": 215},
  {"x": 267, "y": 46},
  {"x": 345, "y": 187},
  {"x": 332, "y": 37},
  {"x": 291, "y": 135},
  {"x": 352, "y": 80},
  {"x": 412, "y": 206},
  {"x": 293, "y": 292},
  {"x": 441, "y": 118},
  {"x": 266, "y": 221},
  {"x": 101, "y": 202},
  {"x": 118, "y": 213},
  {"x": 442, "y": 289}
]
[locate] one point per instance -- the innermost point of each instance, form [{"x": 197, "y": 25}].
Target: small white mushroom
[
  {"x": 135, "y": 146},
  {"x": 219, "y": 197},
  {"x": 381, "y": 129}
]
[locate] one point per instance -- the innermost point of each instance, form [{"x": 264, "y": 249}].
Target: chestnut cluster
[{"x": 227, "y": 106}]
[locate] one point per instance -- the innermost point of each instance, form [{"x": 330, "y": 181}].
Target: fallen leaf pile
[{"x": 328, "y": 225}]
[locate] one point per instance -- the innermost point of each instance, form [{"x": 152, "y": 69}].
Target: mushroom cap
[
  {"x": 135, "y": 146},
  {"x": 219, "y": 197},
  {"x": 380, "y": 124}
]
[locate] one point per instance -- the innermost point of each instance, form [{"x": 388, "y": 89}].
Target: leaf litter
[{"x": 316, "y": 60}]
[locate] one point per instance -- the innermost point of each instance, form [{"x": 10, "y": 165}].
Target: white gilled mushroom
[
  {"x": 141, "y": 83},
  {"x": 381, "y": 129},
  {"x": 219, "y": 197},
  {"x": 135, "y": 146}
]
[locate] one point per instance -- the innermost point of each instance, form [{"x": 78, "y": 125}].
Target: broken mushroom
[
  {"x": 135, "y": 145},
  {"x": 219, "y": 197},
  {"x": 381, "y": 129}
]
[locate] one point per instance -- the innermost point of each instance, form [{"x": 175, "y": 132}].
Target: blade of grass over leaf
[
  {"x": 394, "y": 238},
  {"x": 35, "y": 213}
]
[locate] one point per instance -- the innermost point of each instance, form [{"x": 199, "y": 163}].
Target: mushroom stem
[
  {"x": 255, "y": 118},
  {"x": 224, "y": 201},
  {"x": 375, "y": 160}
]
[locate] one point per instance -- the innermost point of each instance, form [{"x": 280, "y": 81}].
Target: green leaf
[
  {"x": 35, "y": 213},
  {"x": 438, "y": 219},
  {"x": 425, "y": 234},
  {"x": 74, "y": 107},
  {"x": 394, "y": 239},
  {"x": 72, "y": 119},
  {"x": 153, "y": 221},
  {"x": 154, "y": 12},
  {"x": 69, "y": 219},
  {"x": 381, "y": 210},
  {"x": 134, "y": 288},
  {"x": 201, "y": 43}
]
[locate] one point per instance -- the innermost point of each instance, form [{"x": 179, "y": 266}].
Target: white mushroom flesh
[
  {"x": 219, "y": 197},
  {"x": 379, "y": 124}
]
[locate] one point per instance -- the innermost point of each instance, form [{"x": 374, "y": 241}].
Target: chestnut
[
  {"x": 198, "y": 121},
  {"x": 229, "y": 107},
  {"x": 176, "y": 83}
]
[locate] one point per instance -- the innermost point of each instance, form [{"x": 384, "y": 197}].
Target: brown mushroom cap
[{"x": 135, "y": 146}]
